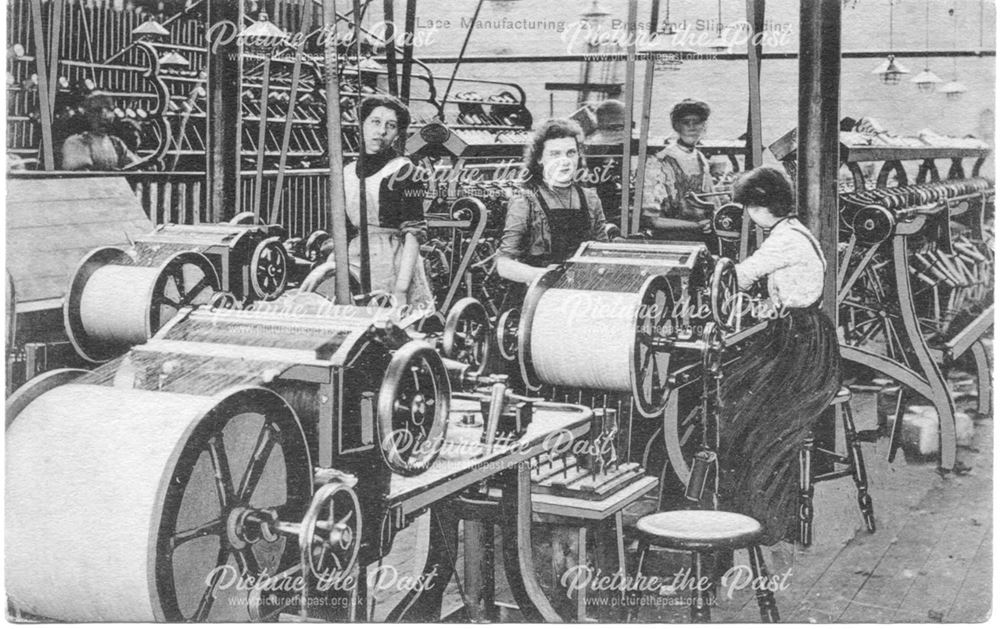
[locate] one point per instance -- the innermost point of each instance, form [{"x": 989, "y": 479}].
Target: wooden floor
[{"x": 929, "y": 561}]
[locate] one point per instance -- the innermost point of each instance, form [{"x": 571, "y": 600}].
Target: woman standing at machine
[
  {"x": 780, "y": 385},
  {"x": 396, "y": 223},
  {"x": 551, "y": 216}
]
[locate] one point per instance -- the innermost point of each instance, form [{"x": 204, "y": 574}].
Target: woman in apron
[
  {"x": 551, "y": 216},
  {"x": 394, "y": 203},
  {"x": 780, "y": 385}
]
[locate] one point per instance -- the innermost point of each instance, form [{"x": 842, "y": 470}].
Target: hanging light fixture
[
  {"x": 954, "y": 89},
  {"x": 926, "y": 81},
  {"x": 174, "y": 60},
  {"x": 720, "y": 43},
  {"x": 595, "y": 13},
  {"x": 890, "y": 70},
  {"x": 150, "y": 29},
  {"x": 263, "y": 36},
  {"x": 668, "y": 26}
]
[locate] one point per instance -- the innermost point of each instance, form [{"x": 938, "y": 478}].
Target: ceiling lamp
[
  {"x": 953, "y": 89},
  {"x": 595, "y": 13},
  {"x": 262, "y": 36},
  {"x": 150, "y": 29},
  {"x": 720, "y": 43},
  {"x": 174, "y": 59},
  {"x": 926, "y": 81},
  {"x": 890, "y": 71}
]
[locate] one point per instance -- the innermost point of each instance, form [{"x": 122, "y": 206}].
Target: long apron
[{"x": 385, "y": 244}]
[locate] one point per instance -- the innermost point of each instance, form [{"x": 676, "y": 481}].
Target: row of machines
[
  {"x": 259, "y": 438},
  {"x": 916, "y": 265}
]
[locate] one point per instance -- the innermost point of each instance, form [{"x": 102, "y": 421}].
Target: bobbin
[{"x": 112, "y": 303}]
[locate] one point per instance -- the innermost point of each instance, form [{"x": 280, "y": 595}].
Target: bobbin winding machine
[{"x": 249, "y": 439}]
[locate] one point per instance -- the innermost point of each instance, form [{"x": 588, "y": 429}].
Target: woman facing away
[
  {"x": 394, "y": 203},
  {"x": 780, "y": 386}
]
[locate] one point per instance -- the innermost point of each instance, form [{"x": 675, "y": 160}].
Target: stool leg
[
  {"x": 806, "y": 491},
  {"x": 700, "y": 611},
  {"x": 765, "y": 598},
  {"x": 643, "y": 548},
  {"x": 858, "y": 470}
]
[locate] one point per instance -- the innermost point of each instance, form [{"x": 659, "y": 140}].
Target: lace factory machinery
[
  {"x": 644, "y": 309},
  {"x": 232, "y": 437},
  {"x": 915, "y": 275},
  {"x": 120, "y": 297}
]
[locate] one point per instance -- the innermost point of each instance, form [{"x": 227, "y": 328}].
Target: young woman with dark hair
[
  {"x": 774, "y": 394},
  {"x": 396, "y": 223},
  {"x": 551, "y": 216}
]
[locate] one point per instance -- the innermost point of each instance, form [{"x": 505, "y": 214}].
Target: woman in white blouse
[{"x": 775, "y": 393}]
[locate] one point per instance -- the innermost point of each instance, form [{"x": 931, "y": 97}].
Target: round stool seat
[{"x": 700, "y": 530}]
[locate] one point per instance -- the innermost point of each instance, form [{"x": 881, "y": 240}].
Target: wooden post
[
  {"x": 44, "y": 105},
  {"x": 819, "y": 134},
  {"x": 223, "y": 121},
  {"x": 410, "y": 26},
  {"x": 338, "y": 201},
  {"x": 755, "y": 148},
  {"x": 627, "y": 227},
  {"x": 389, "y": 16},
  {"x": 647, "y": 97},
  {"x": 366, "y": 265}
]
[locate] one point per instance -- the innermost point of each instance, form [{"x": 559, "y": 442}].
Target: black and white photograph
[{"x": 499, "y": 311}]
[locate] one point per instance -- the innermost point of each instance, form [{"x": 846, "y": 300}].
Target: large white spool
[
  {"x": 100, "y": 479},
  {"x": 113, "y": 304},
  {"x": 597, "y": 339}
]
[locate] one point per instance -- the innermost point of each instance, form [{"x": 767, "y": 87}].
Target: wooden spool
[
  {"x": 113, "y": 304},
  {"x": 122, "y": 504}
]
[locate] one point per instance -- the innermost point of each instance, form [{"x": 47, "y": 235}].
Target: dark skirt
[{"x": 772, "y": 398}]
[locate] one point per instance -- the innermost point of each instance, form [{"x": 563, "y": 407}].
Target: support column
[
  {"x": 819, "y": 135},
  {"x": 222, "y": 173}
]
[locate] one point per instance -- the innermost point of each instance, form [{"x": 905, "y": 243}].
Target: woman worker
[
  {"x": 781, "y": 384},
  {"x": 396, "y": 223},
  {"x": 551, "y": 215}
]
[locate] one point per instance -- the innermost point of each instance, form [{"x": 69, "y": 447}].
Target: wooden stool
[
  {"x": 700, "y": 532},
  {"x": 855, "y": 467}
]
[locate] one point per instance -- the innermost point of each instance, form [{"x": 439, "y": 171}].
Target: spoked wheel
[
  {"x": 506, "y": 333},
  {"x": 467, "y": 333},
  {"x": 243, "y": 467},
  {"x": 650, "y": 365},
  {"x": 725, "y": 296},
  {"x": 185, "y": 491},
  {"x": 186, "y": 279},
  {"x": 413, "y": 408},
  {"x": 269, "y": 269},
  {"x": 871, "y": 319},
  {"x": 331, "y": 532}
]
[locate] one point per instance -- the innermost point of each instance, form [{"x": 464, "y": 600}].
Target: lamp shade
[
  {"x": 926, "y": 81},
  {"x": 263, "y": 35},
  {"x": 150, "y": 29},
  {"x": 953, "y": 89},
  {"x": 890, "y": 70}
]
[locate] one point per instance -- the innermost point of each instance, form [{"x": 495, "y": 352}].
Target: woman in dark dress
[
  {"x": 776, "y": 392},
  {"x": 552, "y": 215}
]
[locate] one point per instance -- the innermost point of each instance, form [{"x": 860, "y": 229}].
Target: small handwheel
[
  {"x": 506, "y": 333},
  {"x": 412, "y": 407},
  {"x": 466, "y": 335},
  {"x": 313, "y": 248},
  {"x": 269, "y": 269},
  {"x": 245, "y": 218},
  {"x": 651, "y": 365},
  {"x": 727, "y": 222},
  {"x": 724, "y": 291},
  {"x": 223, "y": 300},
  {"x": 330, "y": 536}
]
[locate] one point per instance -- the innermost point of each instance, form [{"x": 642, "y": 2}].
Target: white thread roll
[
  {"x": 115, "y": 304},
  {"x": 584, "y": 338},
  {"x": 86, "y": 469}
]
